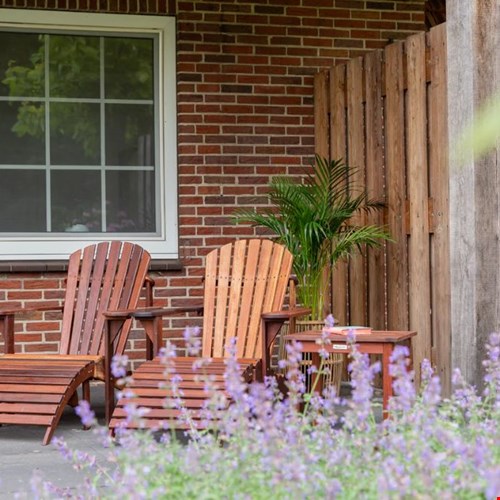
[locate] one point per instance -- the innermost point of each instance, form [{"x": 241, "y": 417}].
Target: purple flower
[
  {"x": 330, "y": 321},
  {"x": 324, "y": 341},
  {"x": 193, "y": 340},
  {"x": 87, "y": 416},
  {"x": 431, "y": 386},
  {"x": 403, "y": 385},
  {"x": 119, "y": 365},
  {"x": 294, "y": 376},
  {"x": 362, "y": 374},
  {"x": 351, "y": 336},
  {"x": 492, "y": 367}
]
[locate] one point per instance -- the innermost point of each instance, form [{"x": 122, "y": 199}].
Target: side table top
[{"x": 391, "y": 336}]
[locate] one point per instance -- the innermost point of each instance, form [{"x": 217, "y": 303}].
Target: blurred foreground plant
[{"x": 266, "y": 446}]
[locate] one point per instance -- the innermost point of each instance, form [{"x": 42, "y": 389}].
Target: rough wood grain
[
  {"x": 419, "y": 252},
  {"x": 397, "y": 255},
  {"x": 375, "y": 179},
  {"x": 439, "y": 187},
  {"x": 338, "y": 145},
  {"x": 356, "y": 160}
]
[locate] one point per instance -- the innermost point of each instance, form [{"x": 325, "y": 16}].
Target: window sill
[{"x": 30, "y": 266}]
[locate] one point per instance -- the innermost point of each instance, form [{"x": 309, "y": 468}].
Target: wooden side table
[{"x": 377, "y": 342}]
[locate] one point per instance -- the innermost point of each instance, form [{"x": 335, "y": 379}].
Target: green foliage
[
  {"x": 74, "y": 72},
  {"x": 484, "y": 132},
  {"x": 314, "y": 220}
]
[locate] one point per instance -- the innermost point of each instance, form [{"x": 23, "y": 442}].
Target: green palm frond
[{"x": 312, "y": 218}]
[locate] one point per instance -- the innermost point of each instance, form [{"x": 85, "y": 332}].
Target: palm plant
[{"x": 314, "y": 220}]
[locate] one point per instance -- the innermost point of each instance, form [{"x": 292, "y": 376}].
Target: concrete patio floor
[{"x": 22, "y": 453}]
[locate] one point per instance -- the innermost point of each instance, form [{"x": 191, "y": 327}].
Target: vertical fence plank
[
  {"x": 419, "y": 258},
  {"x": 338, "y": 143},
  {"x": 438, "y": 185},
  {"x": 375, "y": 177},
  {"x": 397, "y": 256},
  {"x": 321, "y": 107},
  {"x": 356, "y": 159}
]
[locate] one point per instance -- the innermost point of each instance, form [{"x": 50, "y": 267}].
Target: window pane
[
  {"x": 130, "y": 201},
  {"x": 76, "y": 201},
  {"x": 22, "y": 133},
  {"x": 128, "y": 67},
  {"x": 129, "y": 134},
  {"x": 22, "y": 65},
  {"x": 22, "y": 201},
  {"x": 74, "y": 133},
  {"x": 74, "y": 66}
]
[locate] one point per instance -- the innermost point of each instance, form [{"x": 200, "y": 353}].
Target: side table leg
[
  {"x": 386, "y": 378},
  {"x": 316, "y": 379}
]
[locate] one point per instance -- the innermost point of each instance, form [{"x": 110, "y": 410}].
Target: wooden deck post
[{"x": 473, "y": 75}]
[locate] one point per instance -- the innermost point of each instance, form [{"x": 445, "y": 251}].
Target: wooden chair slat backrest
[
  {"x": 250, "y": 261},
  {"x": 242, "y": 280},
  {"x": 93, "y": 301},
  {"x": 101, "y": 277}
]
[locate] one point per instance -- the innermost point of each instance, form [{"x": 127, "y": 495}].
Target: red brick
[
  {"x": 365, "y": 14},
  {"x": 365, "y": 34},
  {"x": 47, "y": 347},
  {"x": 30, "y": 337},
  {"x": 24, "y": 295},
  {"x": 11, "y": 284},
  {"x": 409, "y": 26},
  {"x": 43, "y": 327},
  {"x": 387, "y": 25},
  {"x": 348, "y": 43},
  {"x": 349, "y": 23}
]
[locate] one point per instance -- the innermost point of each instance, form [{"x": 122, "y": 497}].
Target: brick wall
[{"x": 245, "y": 112}]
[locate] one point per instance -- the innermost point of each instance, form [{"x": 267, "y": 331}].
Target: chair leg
[
  {"x": 82, "y": 378},
  {"x": 86, "y": 397},
  {"x": 73, "y": 400}
]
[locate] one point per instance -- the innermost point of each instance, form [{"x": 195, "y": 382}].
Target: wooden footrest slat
[
  {"x": 44, "y": 389},
  {"x": 163, "y": 393},
  {"x": 152, "y": 424},
  {"x": 6, "y": 418},
  {"x": 166, "y": 413},
  {"x": 34, "y": 408},
  {"x": 183, "y": 384},
  {"x": 156, "y": 402},
  {"x": 185, "y": 376},
  {"x": 11, "y": 397},
  {"x": 18, "y": 379}
]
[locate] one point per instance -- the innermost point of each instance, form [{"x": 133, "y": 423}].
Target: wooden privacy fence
[{"x": 386, "y": 114}]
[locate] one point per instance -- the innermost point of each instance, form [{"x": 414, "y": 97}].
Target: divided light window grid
[{"x": 78, "y": 133}]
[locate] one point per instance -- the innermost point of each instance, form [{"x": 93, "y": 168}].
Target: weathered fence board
[
  {"x": 387, "y": 118},
  {"x": 338, "y": 148},
  {"x": 438, "y": 172},
  {"x": 356, "y": 157},
  {"x": 397, "y": 251},
  {"x": 375, "y": 178},
  {"x": 418, "y": 197}
]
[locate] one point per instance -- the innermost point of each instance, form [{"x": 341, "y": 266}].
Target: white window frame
[{"x": 165, "y": 244}]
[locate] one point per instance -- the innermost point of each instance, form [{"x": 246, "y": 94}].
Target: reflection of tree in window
[{"x": 74, "y": 72}]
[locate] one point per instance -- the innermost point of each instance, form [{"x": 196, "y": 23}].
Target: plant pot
[{"x": 332, "y": 365}]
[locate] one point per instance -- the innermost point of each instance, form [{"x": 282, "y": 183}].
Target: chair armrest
[
  {"x": 150, "y": 319},
  {"x": 271, "y": 325},
  {"x": 150, "y": 312},
  {"x": 31, "y": 308},
  {"x": 7, "y": 315},
  {"x": 286, "y": 314}
]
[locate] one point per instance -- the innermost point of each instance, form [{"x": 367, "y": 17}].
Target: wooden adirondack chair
[
  {"x": 35, "y": 388},
  {"x": 245, "y": 285}
]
